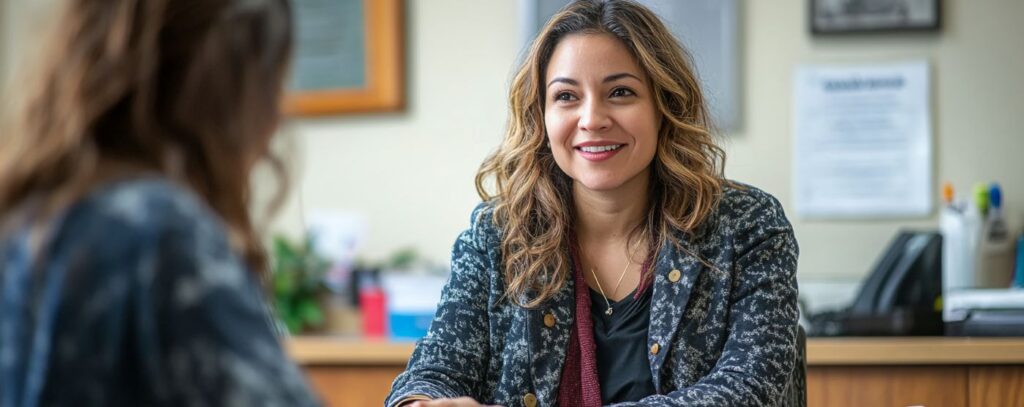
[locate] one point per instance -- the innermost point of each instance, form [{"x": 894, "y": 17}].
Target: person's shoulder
[
  {"x": 148, "y": 199},
  {"x": 157, "y": 221},
  {"x": 482, "y": 228},
  {"x": 747, "y": 203},
  {"x": 149, "y": 202},
  {"x": 120, "y": 224},
  {"x": 744, "y": 215},
  {"x": 482, "y": 222},
  {"x": 483, "y": 210}
]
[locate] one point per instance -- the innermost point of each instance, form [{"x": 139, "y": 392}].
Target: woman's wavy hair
[
  {"x": 189, "y": 89},
  {"x": 532, "y": 198}
]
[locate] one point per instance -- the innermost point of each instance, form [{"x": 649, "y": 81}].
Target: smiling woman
[
  {"x": 611, "y": 260},
  {"x": 601, "y": 117}
]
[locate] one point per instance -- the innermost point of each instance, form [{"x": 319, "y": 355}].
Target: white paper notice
[{"x": 863, "y": 141}]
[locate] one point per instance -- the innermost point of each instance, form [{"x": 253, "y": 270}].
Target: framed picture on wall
[
  {"x": 858, "y": 16},
  {"x": 348, "y": 57}
]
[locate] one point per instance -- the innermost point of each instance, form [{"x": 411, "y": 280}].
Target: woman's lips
[{"x": 598, "y": 152}]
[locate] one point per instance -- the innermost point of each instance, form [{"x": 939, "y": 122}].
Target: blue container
[
  {"x": 409, "y": 326},
  {"x": 412, "y": 303}
]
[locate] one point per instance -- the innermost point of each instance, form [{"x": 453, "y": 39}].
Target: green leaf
[
  {"x": 298, "y": 280},
  {"x": 310, "y": 313},
  {"x": 403, "y": 259},
  {"x": 284, "y": 283},
  {"x": 285, "y": 254},
  {"x": 294, "y": 325}
]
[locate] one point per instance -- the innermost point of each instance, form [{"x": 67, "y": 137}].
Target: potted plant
[{"x": 297, "y": 278}]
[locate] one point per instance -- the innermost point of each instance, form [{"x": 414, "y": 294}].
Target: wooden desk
[
  {"x": 915, "y": 351},
  {"x": 841, "y": 371},
  {"x": 348, "y": 371},
  {"x": 925, "y": 371}
]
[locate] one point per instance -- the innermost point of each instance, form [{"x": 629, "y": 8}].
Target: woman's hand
[{"x": 459, "y": 402}]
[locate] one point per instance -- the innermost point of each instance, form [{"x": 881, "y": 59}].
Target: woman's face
[{"x": 599, "y": 112}]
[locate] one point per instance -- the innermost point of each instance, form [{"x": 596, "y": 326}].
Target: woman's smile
[{"x": 597, "y": 151}]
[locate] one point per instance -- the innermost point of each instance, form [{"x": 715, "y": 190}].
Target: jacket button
[
  {"x": 674, "y": 275},
  {"x": 530, "y": 400},
  {"x": 655, "y": 348},
  {"x": 549, "y": 320}
]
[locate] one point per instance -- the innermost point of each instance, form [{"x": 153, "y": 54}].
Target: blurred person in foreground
[
  {"x": 611, "y": 261},
  {"x": 129, "y": 266}
]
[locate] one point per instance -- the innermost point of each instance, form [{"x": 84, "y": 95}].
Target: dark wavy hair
[{"x": 186, "y": 88}]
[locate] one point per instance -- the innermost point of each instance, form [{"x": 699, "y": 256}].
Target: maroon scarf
[{"x": 579, "y": 386}]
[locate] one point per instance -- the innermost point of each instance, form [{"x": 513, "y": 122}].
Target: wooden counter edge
[
  {"x": 915, "y": 351},
  {"x": 311, "y": 350}
]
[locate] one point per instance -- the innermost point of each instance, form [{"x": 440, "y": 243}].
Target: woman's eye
[
  {"x": 564, "y": 97},
  {"x": 621, "y": 92}
]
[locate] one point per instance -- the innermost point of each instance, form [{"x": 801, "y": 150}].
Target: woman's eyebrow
[
  {"x": 615, "y": 77},
  {"x": 563, "y": 80},
  {"x": 609, "y": 78}
]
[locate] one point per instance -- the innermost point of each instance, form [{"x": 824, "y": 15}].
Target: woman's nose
[{"x": 594, "y": 117}]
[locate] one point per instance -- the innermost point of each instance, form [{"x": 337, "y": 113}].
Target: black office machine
[{"x": 902, "y": 295}]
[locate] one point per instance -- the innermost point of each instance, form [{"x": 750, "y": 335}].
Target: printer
[{"x": 984, "y": 312}]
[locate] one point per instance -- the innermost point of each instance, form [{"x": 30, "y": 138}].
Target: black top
[{"x": 621, "y": 339}]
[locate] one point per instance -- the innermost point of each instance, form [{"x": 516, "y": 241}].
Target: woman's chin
[{"x": 599, "y": 184}]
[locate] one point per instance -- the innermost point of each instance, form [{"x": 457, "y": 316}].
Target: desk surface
[
  {"x": 915, "y": 351},
  {"x": 311, "y": 350}
]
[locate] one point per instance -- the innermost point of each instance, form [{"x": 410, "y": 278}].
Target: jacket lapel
[
  {"x": 669, "y": 300},
  {"x": 548, "y": 345},
  {"x": 668, "y": 303}
]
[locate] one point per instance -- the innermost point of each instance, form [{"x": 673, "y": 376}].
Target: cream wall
[
  {"x": 426, "y": 157},
  {"x": 21, "y": 22},
  {"x": 978, "y": 113},
  {"x": 411, "y": 173}
]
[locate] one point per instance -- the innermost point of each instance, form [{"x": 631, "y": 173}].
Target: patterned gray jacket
[
  {"x": 718, "y": 336},
  {"x": 140, "y": 302}
]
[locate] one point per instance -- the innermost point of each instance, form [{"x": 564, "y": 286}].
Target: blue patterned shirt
[{"x": 137, "y": 299}]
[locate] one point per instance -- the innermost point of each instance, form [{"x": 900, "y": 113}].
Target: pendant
[{"x": 609, "y": 311}]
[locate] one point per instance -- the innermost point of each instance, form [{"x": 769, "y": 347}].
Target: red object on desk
[{"x": 373, "y": 306}]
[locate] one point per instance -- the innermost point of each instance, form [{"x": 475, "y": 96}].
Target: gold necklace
[
  {"x": 596, "y": 280},
  {"x": 629, "y": 261}
]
